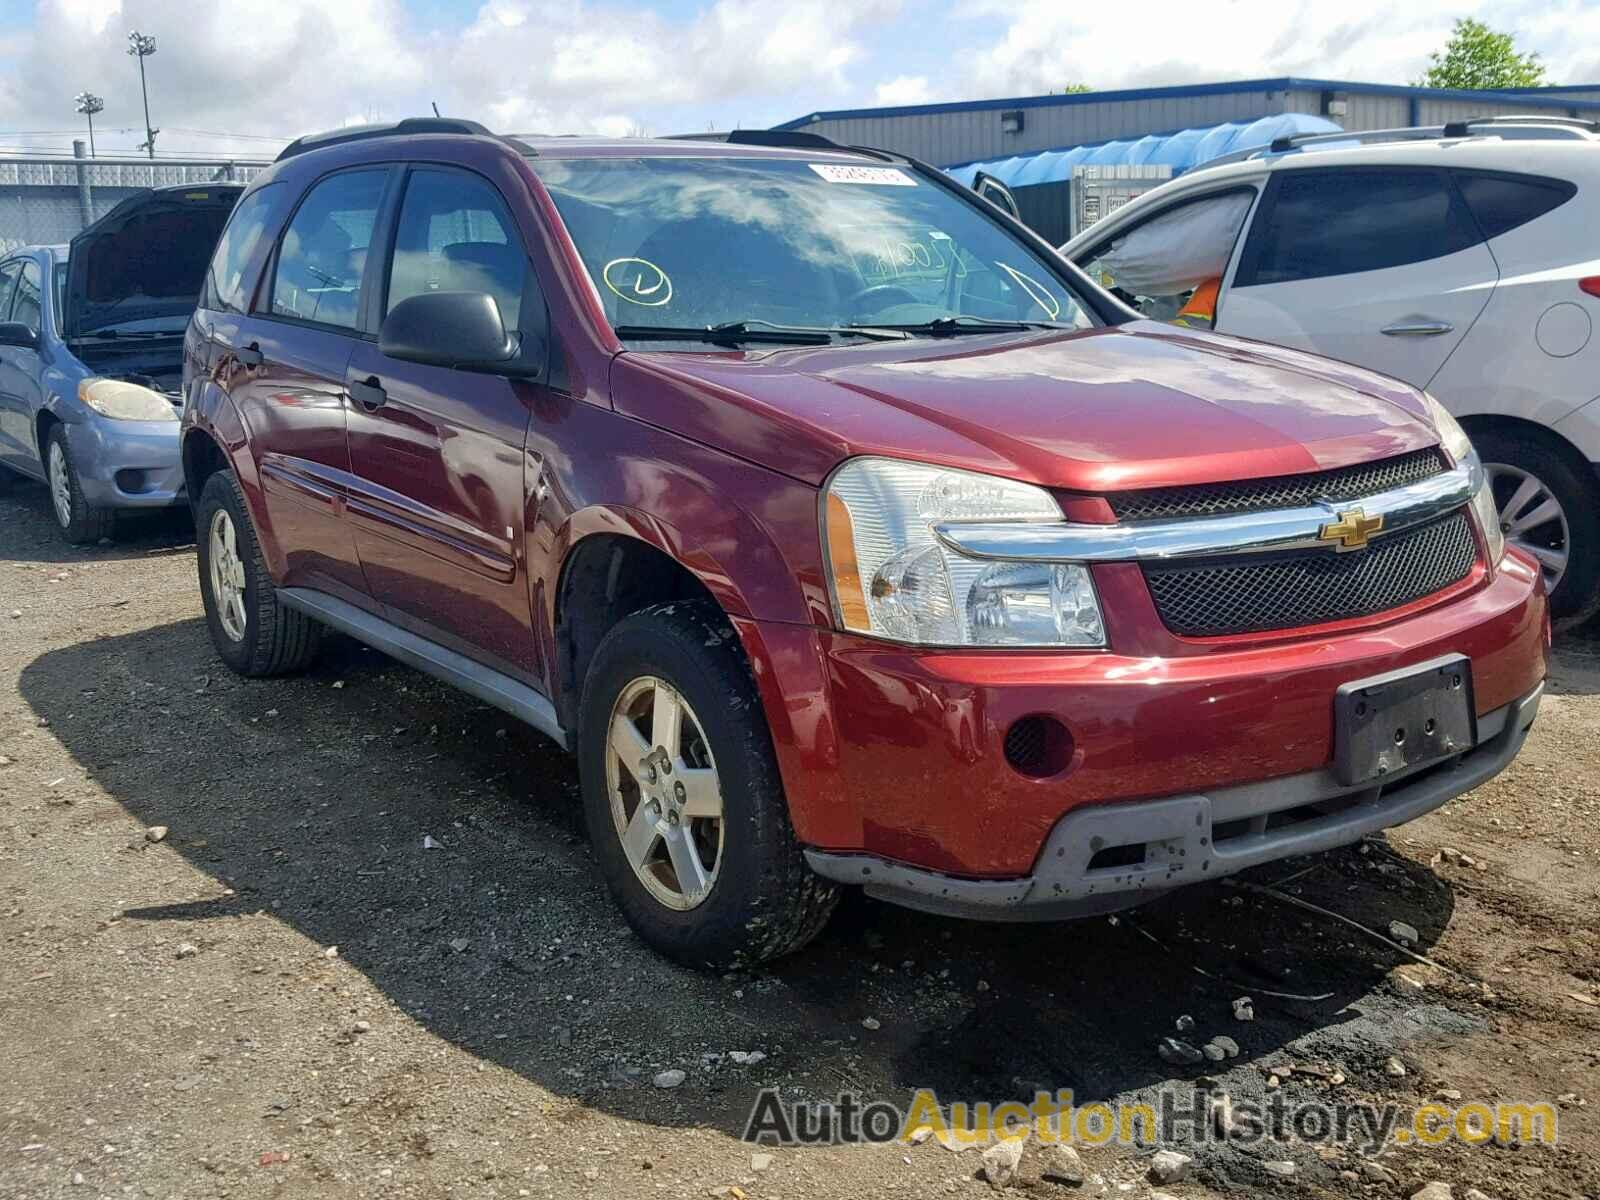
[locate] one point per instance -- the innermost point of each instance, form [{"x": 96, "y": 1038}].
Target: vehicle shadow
[
  {"x": 312, "y": 797},
  {"x": 1575, "y": 661},
  {"x": 33, "y": 536}
]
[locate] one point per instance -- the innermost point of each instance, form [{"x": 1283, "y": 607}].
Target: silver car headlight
[
  {"x": 1459, "y": 447},
  {"x": 124, "y": 401},
  {"x": 891, "y": 577}
]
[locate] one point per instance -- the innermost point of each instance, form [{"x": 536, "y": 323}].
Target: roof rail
[
  {"x": 1416, "y": 133},
  {"x": 794, "y": 139},
  {"x": 358, "y": 133}
]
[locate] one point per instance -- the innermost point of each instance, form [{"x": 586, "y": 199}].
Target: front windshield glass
[{"x": 695, "y": 242}]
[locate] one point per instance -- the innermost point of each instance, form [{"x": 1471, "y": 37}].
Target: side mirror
[
  {"x": 451, "y": 329},
  {"x": 15, "y": 333}
]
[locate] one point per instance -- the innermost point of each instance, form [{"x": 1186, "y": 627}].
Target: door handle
[
  {"x": 1419, "y": 329},
  {"x": 249, "y": 356},
  {"x": 368, "y": 393}
]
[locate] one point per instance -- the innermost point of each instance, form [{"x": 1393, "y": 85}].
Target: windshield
[{"x": 697, "y": 242}]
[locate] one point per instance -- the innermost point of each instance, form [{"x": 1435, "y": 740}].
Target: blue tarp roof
[{"x": 1181, "y": 151}]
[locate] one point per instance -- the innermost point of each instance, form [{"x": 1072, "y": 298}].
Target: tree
[
  {"x": 1072, "y": 89},
  {"x": 1476, "y": 58}
]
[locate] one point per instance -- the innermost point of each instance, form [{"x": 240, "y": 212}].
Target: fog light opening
[{"x": 1038, "y": 746}]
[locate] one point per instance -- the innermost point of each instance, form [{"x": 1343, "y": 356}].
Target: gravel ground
[{"x": 370, "y": 957}]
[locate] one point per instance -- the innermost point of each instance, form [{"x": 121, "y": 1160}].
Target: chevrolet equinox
[{"x": 844, "y": 532}]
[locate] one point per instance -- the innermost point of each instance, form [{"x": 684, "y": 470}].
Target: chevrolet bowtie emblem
[{"x": 1351, "y": 530}]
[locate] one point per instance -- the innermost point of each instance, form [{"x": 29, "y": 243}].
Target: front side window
[
  {"x": 226, "y": 288},
  {"x": 1324, "y": 223},
  {"x": 26, "y": 306},
  {"x": 1158, "y": 266},
  {"x": 707, "y": 241},
  {"x": 456, "y": 236},
  {"x": 323, "y": 256}
]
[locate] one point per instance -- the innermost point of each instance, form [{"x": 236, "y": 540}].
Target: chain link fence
[{"x": 48, "y": 201}]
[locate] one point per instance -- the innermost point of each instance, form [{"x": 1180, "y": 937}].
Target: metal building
[{"x": 953, "y": 134}]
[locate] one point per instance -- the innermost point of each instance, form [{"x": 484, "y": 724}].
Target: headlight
[
  {"x": 1459, "y": 447},
  {"x": 124, "y": 401},
  {"x": 892, "y": 578}
]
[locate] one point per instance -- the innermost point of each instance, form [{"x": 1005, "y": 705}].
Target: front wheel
[
  {"x": 80, "y": 522},
  {"x": 1549, "y": 506},
  {"x": 682, "y": 796}
]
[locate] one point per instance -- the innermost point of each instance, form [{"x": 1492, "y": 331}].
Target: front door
[
  {"x": 19, "y": 370},
  {"x": 438, "y": 498},
  {"x": 1380, "y": 267},
  {"x": 286, "y": 372}
]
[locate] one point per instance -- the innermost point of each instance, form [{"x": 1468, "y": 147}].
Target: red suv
[{"x": 846, "y": 533}]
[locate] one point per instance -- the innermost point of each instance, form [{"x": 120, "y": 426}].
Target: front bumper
[
  {"x": 127, "y": 464},
  {"x": 898, "y": 753},
  {"x": 1110, "y": 856}
]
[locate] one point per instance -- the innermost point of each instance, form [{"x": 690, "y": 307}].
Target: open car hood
[{"x": 146, "y": 257}]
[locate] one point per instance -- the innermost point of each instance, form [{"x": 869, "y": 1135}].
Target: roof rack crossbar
[{"x": 357, "y": 133}]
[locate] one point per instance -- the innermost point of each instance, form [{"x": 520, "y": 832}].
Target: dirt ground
[{"x": 289, "y": 995}]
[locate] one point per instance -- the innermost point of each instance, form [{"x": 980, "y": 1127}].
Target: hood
[
  {"x": 1132, "y": 406},
  {"x": 145, "y": 258}
]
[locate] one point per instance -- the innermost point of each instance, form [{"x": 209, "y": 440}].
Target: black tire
[
  {"x": 1573, "y": 484},
  {"x": 88, "y": 523},
  {"x": 765, "y": 901},
  {"x": 275, "y": 640}
]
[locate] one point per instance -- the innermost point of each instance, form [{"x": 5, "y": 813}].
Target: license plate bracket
[{"x": 1418, "y": 714}]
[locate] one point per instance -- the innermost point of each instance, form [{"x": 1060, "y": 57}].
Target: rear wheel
[
  {"x": 252, "y": 631},
  {"x": 1549, "y": 506},
  {"x": 682, "y": 795},
  {"x": 80, "y": 522}
]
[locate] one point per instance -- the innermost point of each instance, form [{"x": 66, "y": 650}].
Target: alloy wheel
[
  {"x": 227, "y": 575},
  {"x": 666, "y": 797},
  {"x": 1531, "y": 518},
  {"x": 60, "y": 485}
]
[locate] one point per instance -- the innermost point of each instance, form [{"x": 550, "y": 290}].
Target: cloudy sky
[{"x": 237, "y": 74}]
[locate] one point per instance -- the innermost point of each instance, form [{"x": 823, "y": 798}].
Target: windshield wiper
[
  {"x": 133, "y": 333},
  {"x": 757, "y": 330},
  {"x": 946, "y": 326}
]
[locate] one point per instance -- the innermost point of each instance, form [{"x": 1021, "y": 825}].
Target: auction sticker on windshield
[{"x": 876, "y": 176}]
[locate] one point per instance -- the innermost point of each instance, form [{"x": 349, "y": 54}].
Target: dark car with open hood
[
  {"x": 847, "y": 534},
  {"x": 91, "y": 354}
]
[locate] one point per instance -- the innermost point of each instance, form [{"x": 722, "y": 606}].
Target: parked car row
[{"x": 845, "y": 532}]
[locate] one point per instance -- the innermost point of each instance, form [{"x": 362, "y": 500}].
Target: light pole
[
  {"x": 88, "y": 104},
  {"x": 142, "y": 46}
]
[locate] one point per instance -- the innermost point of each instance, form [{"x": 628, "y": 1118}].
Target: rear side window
[
  {"x": 1502, "y": 202},
  {"x": 455, "y": 235},
  {"x": 1323, "y": 223},
  {"x": 226, "y": 288},
  {"x": 323, "y": 256},
  {"x": 8, "y": 279},
  {"x": 26, "y": 307}
]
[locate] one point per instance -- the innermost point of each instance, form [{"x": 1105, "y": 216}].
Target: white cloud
[
  {"x": 1046, "y": 46},
  {"x": 903, "y": 89}
]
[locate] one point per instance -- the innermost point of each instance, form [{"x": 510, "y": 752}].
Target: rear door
[
  {"x": 285, "y": 370},
  {"x": 1382, "y": 267},
  {"x": 437, "y": 454}
]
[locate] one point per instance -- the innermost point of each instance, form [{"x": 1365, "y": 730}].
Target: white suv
[{"x": 1467, "y": 265}]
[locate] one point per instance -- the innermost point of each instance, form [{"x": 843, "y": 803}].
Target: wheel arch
[{"x": 606, "y": 575}]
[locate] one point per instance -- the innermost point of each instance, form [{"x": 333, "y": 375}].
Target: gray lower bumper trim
[{"x": 1187, "y": 839}]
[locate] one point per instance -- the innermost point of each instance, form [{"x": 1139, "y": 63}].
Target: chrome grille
[
  {"x": 1289, "y": 590},
  {"x": 1279, "y": 491}
]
